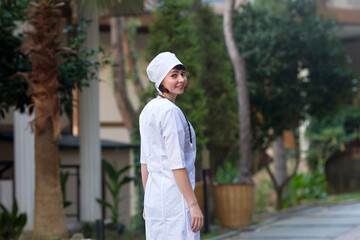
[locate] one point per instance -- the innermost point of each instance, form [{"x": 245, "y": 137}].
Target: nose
[{"x": 182, "y": 78}]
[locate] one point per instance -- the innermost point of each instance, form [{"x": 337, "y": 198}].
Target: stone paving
[{"x": 341, "y": 222}]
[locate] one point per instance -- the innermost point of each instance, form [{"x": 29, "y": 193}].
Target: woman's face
[{"x": 175, "y": 81}]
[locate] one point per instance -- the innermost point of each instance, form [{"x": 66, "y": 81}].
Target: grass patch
[
  {"x": 339, "y": 198},
  {"x": 126, "y": 236}
]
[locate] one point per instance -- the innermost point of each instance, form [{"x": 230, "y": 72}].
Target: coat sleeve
[
  {"x": 174, "y": 138},
  {"x": 144, "y": 148}
]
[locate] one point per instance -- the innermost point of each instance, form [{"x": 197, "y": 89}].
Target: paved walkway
[{"x": 341, "y": 222}]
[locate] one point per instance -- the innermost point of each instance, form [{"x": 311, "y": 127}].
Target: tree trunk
[
  {"x": 280, "y": 179},
  {"x": 43, "y": 46},
  {"x": 280, "y": 160},
  {"x": 49, "y": 220},
  {"x": 280, "y": 168},
  {"x": 121, "y": 96},
  {"x": 243, "y": 96},
  {"x": 279, "y": 202}
]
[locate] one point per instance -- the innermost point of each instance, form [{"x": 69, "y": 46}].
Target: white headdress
[{"x": 160, "y": 66}]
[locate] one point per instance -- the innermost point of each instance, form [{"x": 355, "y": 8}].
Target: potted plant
[{"x": 234, "y": 202}]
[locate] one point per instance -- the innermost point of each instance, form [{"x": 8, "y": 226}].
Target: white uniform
[{"x": 165, "y": 146}]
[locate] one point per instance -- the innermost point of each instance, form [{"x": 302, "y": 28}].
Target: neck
[{"x": 171, "y": 97}]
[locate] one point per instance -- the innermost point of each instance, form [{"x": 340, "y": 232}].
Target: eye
[
  {"x": 183, "y": 74},
  {"x": 174, "y": 75}
]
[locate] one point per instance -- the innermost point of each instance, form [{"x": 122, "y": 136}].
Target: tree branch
[
  {"x": 269, "y": 160},
  {"x": 129, "y": 51},
  {"x": 287, "y": 180},
  {"x": 121, "y": 95}
]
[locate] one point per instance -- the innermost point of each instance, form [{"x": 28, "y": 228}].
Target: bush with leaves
[
  {"x": 306, "y": 186},
  {"x": 333, "y": 133},
  {"x": 11, "y": 222},
  {"x": 64, "y": 176},
  {"x": 114, "y": 182},
  {"x": 227, "y": 173}
]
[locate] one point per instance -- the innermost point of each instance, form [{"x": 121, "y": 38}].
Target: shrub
[{"x": 11, "y": 223}]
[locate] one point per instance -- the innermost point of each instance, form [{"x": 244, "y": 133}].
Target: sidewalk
[{"x": 339, "y": 222}]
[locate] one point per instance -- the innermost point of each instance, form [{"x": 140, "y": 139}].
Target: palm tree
[{"x": 44, "y": 49}]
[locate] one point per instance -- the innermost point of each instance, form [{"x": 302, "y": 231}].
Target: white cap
[{"x": 160, "y": 66}]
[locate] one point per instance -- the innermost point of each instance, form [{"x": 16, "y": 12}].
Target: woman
[{"x": 168, "y": 151}]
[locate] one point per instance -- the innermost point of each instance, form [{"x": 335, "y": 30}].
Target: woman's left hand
[{"x": 197, "y": 218}]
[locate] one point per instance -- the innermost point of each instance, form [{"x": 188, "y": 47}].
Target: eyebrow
[{"x": 176, "y": 71}]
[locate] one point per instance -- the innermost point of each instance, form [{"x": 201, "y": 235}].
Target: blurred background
[{"x": 75, "y": 72}]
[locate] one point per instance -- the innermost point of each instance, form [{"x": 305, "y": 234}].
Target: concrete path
[{"x": 341, "y": 222}]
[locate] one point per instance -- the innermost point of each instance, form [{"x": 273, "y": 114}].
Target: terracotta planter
[{"x": 234, "y": 204}]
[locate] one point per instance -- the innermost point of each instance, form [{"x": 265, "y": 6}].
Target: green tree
[
  {"x": 11, "y": 60},
  {"x": 295, "y": 66},
  {"x": 172, "y": 31},
  {"x": 217, "y": 80},
  {"x": 195, "y": 35},
  {"x": 49, "y": 79},
  {"x": 45, "y": 82}
]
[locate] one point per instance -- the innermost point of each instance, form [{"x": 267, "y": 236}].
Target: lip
[{"x": 180, "y": 87}]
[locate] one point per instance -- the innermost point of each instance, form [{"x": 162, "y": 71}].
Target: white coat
[{"x": 165, "y": 146}]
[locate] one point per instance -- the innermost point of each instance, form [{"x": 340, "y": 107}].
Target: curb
[{"x": 280, "y": 216}]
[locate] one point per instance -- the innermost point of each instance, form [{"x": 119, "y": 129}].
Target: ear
[{"x": 163, "y": 89}]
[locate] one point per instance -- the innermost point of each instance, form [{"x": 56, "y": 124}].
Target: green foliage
[
  {"x": 311, "y": 185},
  {"x": 11, "y": 60},
  {"x": 114, "y": 182},
  {"x": 172, "y": 31},
  {"x": 210, "y": 100},
  {"x": 11, "y": 223},
  {"x": 295, "y": 65},
  {"x": 78, "y": 70},
  {"x": 227, "y": 173},
  {"x": 263, "y": 189},
  {"x": 63, "y": 179},
  {"x": 137, "y": 222},
  {"x": 216, "y": 78},
  {"x": 332, "y": 133},
  {"x": 131, "y": 28}
]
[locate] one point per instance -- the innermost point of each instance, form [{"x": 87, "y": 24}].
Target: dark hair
[
  {"x": 177, "y": 67},
  {"x": 163, "y": 89}
]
